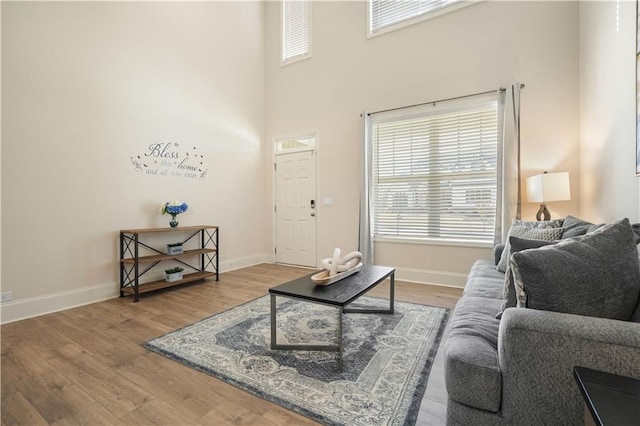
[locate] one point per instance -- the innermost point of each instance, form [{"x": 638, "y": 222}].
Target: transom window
[
  {"x": 435, "y": 172},
  {"x": 302, "y": 143}
]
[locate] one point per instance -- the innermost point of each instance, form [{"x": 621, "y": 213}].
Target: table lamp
[{"x": 548, "y": 187}]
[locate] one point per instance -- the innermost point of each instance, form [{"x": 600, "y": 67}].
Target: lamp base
[{"x": 543, "y": 213}]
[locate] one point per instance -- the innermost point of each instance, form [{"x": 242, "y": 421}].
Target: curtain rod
[{"x": 501, "y": 89}]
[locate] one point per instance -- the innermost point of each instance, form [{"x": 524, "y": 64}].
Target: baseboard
[
  {"x": 20, "y": 309},
  {"x": 244, "y": 262},
  {"x": 422, "y": 276},
  {"x": 41, "y": 305},
  {"x": 426, "y": 276}
]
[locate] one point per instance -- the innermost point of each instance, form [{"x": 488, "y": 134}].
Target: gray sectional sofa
[{"x": 517, "y": 370}]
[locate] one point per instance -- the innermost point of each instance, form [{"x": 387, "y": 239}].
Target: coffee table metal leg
[
  {"x": 293, "y": 346},
  {"x": 392, "y": 279},
  {"x": 392, "y": 291},
  {"x": 273, "y": 321},
  {"x": 340, "y": 341}
]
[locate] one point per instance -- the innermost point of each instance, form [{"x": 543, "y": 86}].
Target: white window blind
[
  {"x": 435, "y": 174},
  {"x": 388, "y": 13},
  {"x": 296, "y": 30}
]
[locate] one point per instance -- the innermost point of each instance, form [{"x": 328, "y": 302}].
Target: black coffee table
[
  {"x": 609, "y": 399},
  {"x": 339, "y": 294}
]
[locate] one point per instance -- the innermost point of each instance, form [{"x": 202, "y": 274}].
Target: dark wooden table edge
[
  {"x": 388, "y": 274},
  {"x": 585, "y": 394}
]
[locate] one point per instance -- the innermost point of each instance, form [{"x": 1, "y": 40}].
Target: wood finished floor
[{"x": 86, "y": 365}]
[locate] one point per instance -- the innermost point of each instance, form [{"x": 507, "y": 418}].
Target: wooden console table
[{"x": 133, "y": 265}]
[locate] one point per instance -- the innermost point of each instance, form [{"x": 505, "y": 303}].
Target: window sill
[
  {"x": 433, "y": 242},
  {"x": 295, "y": 59}
]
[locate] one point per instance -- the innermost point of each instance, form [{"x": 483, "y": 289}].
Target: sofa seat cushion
[
  {"x": 484, "y": 281},
  {"x": 472, "y": 372}
]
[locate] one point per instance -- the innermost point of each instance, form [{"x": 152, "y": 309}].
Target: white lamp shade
[{"x": 548, "y": 187}]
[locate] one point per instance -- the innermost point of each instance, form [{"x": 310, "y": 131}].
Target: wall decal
[{"x": 169, "y": 159}]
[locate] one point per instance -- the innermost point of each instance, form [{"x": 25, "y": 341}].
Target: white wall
[
  {"x": 607, "y": 111},
  {"x": 474, "y": 49},
  {"x": 88, "y": 85}
]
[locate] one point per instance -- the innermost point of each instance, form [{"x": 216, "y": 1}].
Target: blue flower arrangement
[{"x": 173, "y": 208}]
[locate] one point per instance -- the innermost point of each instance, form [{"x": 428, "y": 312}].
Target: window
[
  {"x": 385, "y": 15},
  {"x": 435, "y": 172},
  {"x": 295, "y": 30},
  {"x": 303, "y": 143}
]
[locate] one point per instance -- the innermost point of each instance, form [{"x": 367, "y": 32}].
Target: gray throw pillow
[
  {"x": 636, "y": 231},
  {"x": 574, "y": 227},
  {"x": 636, "y": 314},
  {"x": 595, "y": 227},
  {"x": 539, "y": 224},
  {"x": 545, "y": 230},
  {"x": 594, "y": 275},
  {"x": 509, "y": 290}
]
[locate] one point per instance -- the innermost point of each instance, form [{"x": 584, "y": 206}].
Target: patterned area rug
[{"x": 387, "y": 358}]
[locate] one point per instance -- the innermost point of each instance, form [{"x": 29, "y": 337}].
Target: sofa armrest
[{"x": 537, "y": 351}]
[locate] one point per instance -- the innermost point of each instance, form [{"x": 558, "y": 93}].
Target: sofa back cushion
[
  {"x": 544, "y": 230},
  {"x": 594, "y": 275},
  {"x": 574, "y": 227},
  {"x": 636, "y": 314},
  {"x": 509, "y": 289}
]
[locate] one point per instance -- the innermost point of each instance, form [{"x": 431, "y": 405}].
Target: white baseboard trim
[
  {"x": 426, "y": 276},
  {"x": 423, "y": 276},
  {"x": 30, "y": 307},
  {"x": 244, "y": 262},
  {"x": 41, "y": 305}
]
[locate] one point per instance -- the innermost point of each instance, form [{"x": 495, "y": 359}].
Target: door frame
[{"x": 276, "y": 153}]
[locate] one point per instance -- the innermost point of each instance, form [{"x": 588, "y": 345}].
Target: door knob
[{"x": 313, "y": 214}]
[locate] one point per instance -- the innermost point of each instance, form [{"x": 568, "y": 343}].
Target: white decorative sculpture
[
  {"x": 337, "y": 264},
  {"x": 337, "y": 268}
]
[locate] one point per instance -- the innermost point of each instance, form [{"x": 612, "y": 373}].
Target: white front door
[{"x": 296, "y": 208}]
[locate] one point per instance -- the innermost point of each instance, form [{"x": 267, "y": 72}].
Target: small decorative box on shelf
[
  {"x": 173, "y": 274},
  {"x": 174, "y": 248},
  {"x": 137, "y": 257}
]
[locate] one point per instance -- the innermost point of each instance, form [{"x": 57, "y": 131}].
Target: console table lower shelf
[{"x": 157, "y": 285}]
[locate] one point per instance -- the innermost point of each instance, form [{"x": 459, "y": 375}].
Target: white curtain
[
  {"x": 365, "y": 243},
  {"x": 508, "y": 204}
]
